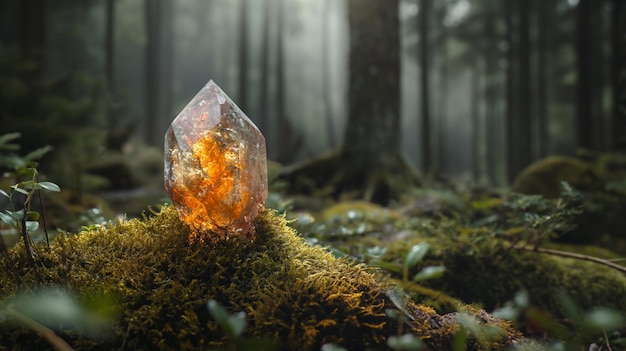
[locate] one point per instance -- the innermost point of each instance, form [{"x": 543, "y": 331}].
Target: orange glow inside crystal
[{"x": 215, "y": 168}]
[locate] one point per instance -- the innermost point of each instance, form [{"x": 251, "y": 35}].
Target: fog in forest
[{"x": 285, "y": 63}]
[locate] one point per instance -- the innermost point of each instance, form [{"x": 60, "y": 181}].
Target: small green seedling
[
  {"x": 232, "y": 325},
  {"x": 406, "y": 342},
  {"x": 332, "y": 347},
  {"x": 415, "y": 255},
  {"x": 24, "y": 219}
]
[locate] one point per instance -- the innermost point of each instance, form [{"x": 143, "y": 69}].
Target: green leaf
[
  {"x": 570, "y": 309},
  {"x": 391, "y": 267},
  {"x": 216, "y": 310},
  {"x": 601, "y": 318},
  {"x": 38, "y": 153},
  {"x": 400, "y": 299},
  {"x": 50, "y": 186},
  {"x": 507, "y": 312},
  {"x": 5, "y": 193},
  {"x": 416, "y": 253},
  {"x": 28, "y": 185},
  {"x": 32, "y": 225},
  {"x": 376, "y": 251},
  {"x": 7, "y": 219},
  {"x": 237, "y": 324},
  {"x": 15, "y": 215},
  {"x": 460, "y": 340},
  {"x": 405, "y": 342},
  {"x": 521, "y": 298},
  {"x": 19, "y": 190},
  {"x": 232, "y": 325},
  {"x": 6, "y": 138},
  {"x": 332, "y": 347},
  {"x": 431, "y": 272},
  {"x": 58, "y": 309},
  {"x": 32, "y": 215}
]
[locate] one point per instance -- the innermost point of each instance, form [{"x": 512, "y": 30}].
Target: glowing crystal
[{"x": 215, "y": 167}]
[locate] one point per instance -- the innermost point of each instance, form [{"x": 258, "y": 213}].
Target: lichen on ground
[{"x": 296, "y": 295}]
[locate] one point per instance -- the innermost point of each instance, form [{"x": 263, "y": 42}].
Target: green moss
[
  {"x": 296, "y": 294},
  {"x": 488, "y": 273},
  {"x": 544, "y": 176}
]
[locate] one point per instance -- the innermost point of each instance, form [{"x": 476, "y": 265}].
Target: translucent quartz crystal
[{"x": 215, "y": 167}]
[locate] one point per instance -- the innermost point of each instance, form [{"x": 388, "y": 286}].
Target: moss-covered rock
[
  {"x": 544, "y": 176},
  {"x": 297, "y": 295}
]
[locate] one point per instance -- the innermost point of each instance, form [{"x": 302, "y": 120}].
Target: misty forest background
[{"x": 486, "y": 86}]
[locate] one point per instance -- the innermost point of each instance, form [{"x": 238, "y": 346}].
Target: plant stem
[
  {"x": 29, "y": 249},
  {"x": 40, "y": 329},
  {"x": 43, "y": 214},
  {"x": 572, "y": 255},
  {"x": 3, "y": 246}
]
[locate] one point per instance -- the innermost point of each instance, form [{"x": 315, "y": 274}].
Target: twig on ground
[
  {"x": 572, "y": 255},
  {"x": 40, "y": 329}
]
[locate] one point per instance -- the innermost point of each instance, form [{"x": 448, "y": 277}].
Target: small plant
[
  {"x": 415, "y": 255},
  {"x": 583, "y": 327},
  {"x": 542, "y": 219},
  {"x": 471, "y": 327},
  {"x": 406, "y": 342},
  {"x": 232, "y": 325},
  {"x": 20, "y": 195}
]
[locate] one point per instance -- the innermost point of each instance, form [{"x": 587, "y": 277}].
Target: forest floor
[{"x": 552, "y": 264}]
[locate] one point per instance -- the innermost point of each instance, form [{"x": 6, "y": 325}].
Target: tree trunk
[
  {"x": 158, "y": 70},
  {"x": 511, "y": 79},
  {"x": 243, "y": 55},
  {"x": 288, "y": 142},
  {"x": 518, "y": 87},
  {"x": 477, "y": 139},
  {"x": 369, "y": 165},
  {"x": 424, "y": 11},
  {"x": 492, "y": 98},
  {"x": 544, "y": 13},
  {"x": 585, "y": 83},
  {"x": 619, "y": 76},
  {"x": 326, "y": 83},
  {"x": 372, "y": 132},
  {"x": 443, "y": 98},
  {"x": 32, "y": 14},
  {"x": 262, "y": 117},
  {"x": 109, "y": 45},
  {"x": 522, "y": 128}
]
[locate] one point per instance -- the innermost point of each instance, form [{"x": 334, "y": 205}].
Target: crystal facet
[{"x": 215, "y": 167}]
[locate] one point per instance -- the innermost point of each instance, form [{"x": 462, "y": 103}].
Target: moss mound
[
  {"x": 296, "y": 295},
  {"x": 490, "y": 272},
  {"x": 544, "y": 176}
]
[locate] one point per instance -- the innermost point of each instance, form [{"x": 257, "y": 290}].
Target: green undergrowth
[
  {"x": 296, "y": 296},
  {"x": 483, "y": 267},
  {"x": 483, "y": 253}
]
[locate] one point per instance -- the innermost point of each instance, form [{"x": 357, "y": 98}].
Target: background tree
[
  {"x": 158, "y": 70},
  {"x": 32, "y": 39},
  {"x": 242, "y": 100},
  {"x": 518, "y": 86},
  {"x": 369, "y": 165},
  {"x": 262, "y": 115},
  {"x": 424, "y": 13},
  {"x": 326, "y": 83},
  {"x": 587, "y": 118},
  {"x": 619, "y": 75}
]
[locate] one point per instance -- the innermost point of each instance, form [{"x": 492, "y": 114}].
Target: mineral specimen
[{"x": 215, "y": 168}]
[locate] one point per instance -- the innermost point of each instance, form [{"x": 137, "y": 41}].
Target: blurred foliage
[{"x": 476, "y": 235}]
